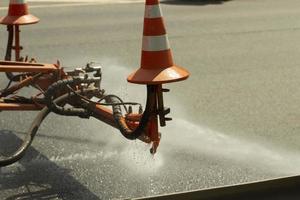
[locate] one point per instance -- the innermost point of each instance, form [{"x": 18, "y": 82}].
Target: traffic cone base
[
  {"x": 158, "y": 76},
  {"x": 16, "y": 20}
]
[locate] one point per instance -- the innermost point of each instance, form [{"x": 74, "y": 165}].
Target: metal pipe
[
  {"x": 10, "y": 40},
  {"x": 17, "y": 42},
  {"x": 26, "y": 67},
  {"x": 19, "y": 85},
  {"x": 9, "y": 48},
  {"x": 105, "y": 115},
  {"x": 19, "y": 107}
]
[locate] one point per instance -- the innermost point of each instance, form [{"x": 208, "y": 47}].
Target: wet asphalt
[{"x": 235, "y": 120}]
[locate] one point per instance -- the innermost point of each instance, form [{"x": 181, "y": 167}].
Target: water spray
[{"x": 79, "y": 92}]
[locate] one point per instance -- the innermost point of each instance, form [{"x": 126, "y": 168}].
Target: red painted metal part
[
  {"x": 101, "y": 113},
  {"x": 18, "y": 107},
  {"x": 151, "y": 134},
  {"x": 17, "y": 46},
  {"x": 26, "y": 82},
  {"x": 7, "y": 66},
  {"x": 104, "y": 114}
]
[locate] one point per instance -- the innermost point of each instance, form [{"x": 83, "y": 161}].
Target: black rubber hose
[
  {"x": 28, "y": 139},
  {"x": 51, "y": 93},
  {"x": 31, "y": 133},
  {"x": 117, "y": 113},
  {"x": 149, "y": 110}
]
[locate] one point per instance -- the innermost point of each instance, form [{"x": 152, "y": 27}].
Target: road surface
[{"x": 236, "y": 119}]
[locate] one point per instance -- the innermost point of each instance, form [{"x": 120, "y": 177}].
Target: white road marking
[{"x": 72, "y": 3}]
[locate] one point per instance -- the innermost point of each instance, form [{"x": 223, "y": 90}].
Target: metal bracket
[{"x": 162, "y": 110}]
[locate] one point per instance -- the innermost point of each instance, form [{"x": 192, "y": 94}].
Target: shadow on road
[
  {"x": 195, "y": 2},
  {"x": 36, "y": 177}
]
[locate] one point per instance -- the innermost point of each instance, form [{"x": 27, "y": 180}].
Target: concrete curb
[{"x": 263, "y": 189}]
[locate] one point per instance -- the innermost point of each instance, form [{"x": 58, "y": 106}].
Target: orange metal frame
[
  {"x": 49, "y": 74},
  {"x": 7, "y": 66}
]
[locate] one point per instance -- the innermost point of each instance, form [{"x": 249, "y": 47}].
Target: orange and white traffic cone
[
  {"x": 157, "y": 66},
  {"x": 18, "y": 14}
]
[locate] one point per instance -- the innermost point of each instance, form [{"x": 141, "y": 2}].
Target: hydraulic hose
[
  {"x": 120, "y": 120},
  {"x": 32, "y": 132},
  {"x": 117, "y": 114},
  {"x": 51, "y": 93},
  {"x": 28, "y": 139}
]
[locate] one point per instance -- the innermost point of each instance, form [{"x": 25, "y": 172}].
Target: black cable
[
  {"x": 149, "y": 110},
  {"x": 113, "y": 96},
  {"x": 31, "y": 133},
  {"x": 8, "y": 85},
  {"x": 50, "y": 94},
  {"x": 121, "y": 103}
]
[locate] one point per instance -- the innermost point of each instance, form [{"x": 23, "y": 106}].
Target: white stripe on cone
[
  {"x": 17, "y": 1},
  {"x": 153, "y": 11},
  {"x": 155, "y": 43}
]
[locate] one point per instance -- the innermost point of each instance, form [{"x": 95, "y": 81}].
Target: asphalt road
[{"x": 235, "y": 120}]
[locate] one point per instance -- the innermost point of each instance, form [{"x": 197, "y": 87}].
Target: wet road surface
[{"x": 235, "y": 120}]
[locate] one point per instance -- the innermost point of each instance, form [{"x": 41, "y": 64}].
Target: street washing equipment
[{"x": 79, "y": 93}]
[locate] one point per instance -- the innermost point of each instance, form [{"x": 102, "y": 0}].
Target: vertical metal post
[
  {"x": 10, "y": 30},
  {"x": 17, "y": 42},
  {"x": 10, "y": 41},
  {"x": 160, "y": 105}
]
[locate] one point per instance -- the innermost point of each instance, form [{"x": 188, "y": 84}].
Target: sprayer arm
[{"x": 143, "y": 127}]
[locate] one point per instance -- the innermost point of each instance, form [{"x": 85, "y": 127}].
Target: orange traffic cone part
[
  {"x": 157, "y": 66},
  {"x": 18, "y": 14}
]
